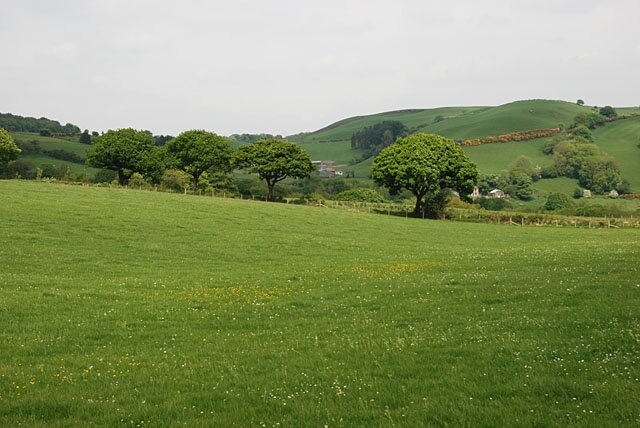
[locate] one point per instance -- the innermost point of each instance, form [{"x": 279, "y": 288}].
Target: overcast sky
[{"x": 284, "y": 66}]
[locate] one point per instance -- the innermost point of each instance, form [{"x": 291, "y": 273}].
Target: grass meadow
[{"x": 136, "y": 308}]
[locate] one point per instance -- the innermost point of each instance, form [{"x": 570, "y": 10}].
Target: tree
[
  {"x": 580, "y": 102},
  {"x": 85, "y": 137},
  {"x": 273, "y": 160},
  {"x": 427, "y": 165},
  {"x": 591, "y": 120},
  {"x": 196, "y": 152},
  {"x": 8, "y": 149},
  {"x": 125, "y": 151},
  {"x": 608, "y": 111}
]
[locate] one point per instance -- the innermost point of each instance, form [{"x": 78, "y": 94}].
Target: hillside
[
  {"x": 333, "y": 142},
  {"x": 147, "y": 308},
  {"x": 37, "y": 149}
]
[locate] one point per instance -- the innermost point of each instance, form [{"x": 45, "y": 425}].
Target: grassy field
[
  {"x": 124, "y": 307},
  {"x": 621, "y": 139},
  {"x": 69, "y": 144}
]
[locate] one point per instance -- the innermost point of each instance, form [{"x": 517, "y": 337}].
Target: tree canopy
[
  {"x": 197, "y": 151},
  {"x": 427, "y": 165},
  {"x": 376, "y": 137},
  {"x": 273, "y": 160},
  {"x": 125, "y": 151},
  {"x": 8, "y": 149},
  {"x": 16, "y": 123}
]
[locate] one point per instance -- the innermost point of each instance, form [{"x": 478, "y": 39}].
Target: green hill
[
  {"x": 36, "y": 148},
  {"x": 333, "y": 142},
  {"x": 621, "y": 139},
  {"x": 125, "y": 307}
]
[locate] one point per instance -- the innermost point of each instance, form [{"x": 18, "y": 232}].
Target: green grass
[
  {"x": 40, "y": 159},
  {"x": 140, "y": 308},
  {"x": 493, "y": 158},
  {"x": 620, "y": 139},
  {"x": 556, "y": 185},
  {"x": 69, "y": 144}
]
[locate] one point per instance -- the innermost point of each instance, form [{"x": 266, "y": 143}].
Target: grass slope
[
  {"x": 69, "y": 144},
  {"x": 458, "y": 123},
  {"x": 620, "y": 139},
  {"x": 141, "y": 308}
]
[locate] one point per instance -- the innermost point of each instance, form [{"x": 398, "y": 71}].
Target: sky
[{"x": 284, "y": 66}]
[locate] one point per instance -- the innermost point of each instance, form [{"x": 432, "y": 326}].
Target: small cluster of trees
[
  {"x": 196, "y": 153},
  {"x": 16, "y": 123},
  {"x": 376, "y": 137},
  {"x": 515, "y": 181}
]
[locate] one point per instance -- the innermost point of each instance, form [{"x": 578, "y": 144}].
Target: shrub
[
  {"x": 176, "y": 180},
  {"x": 137, "y": 181},
  {"x": 360, "y": 195},
  {"x": 578, "y": 193},
  {"x": 557, "y": 201},
  {"x": 494, "y": 204},
  {"x": 105, "y": 176},
  {"x": 582, "y": 132}
]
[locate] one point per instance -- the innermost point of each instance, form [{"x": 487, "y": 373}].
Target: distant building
[
  {"x": 496, "y": 193},
  {"x": 476, "y": 193}
]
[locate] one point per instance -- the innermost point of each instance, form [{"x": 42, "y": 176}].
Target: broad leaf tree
[
  {"x": 196, "y": 152},
  {"x": 273, "y": 160},
  {"x": 125, "y": 151},
  {"x": 8, "y": 149},
  {"x": 427, "y": 165}
]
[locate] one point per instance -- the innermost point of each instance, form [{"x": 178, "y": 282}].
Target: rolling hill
[{"x": 333, "y": 141}]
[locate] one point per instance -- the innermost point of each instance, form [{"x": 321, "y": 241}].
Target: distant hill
[
  {"x": 15, "y": 123},
  {"x": 333, "y": 142}
]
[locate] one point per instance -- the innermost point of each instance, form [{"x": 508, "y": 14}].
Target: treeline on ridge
[{"x": 16, "y": 123}]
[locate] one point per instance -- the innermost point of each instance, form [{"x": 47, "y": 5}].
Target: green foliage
[
  {"x": 578, "y": 193},
  {"x": 557, "y": 201},
  {"x": 175, "y": 180},
  {"x": 519, "y": 186},
  {"x": 105, "y": 176},
  {"x": 137, "y": 181},
  {"x": 494, "y": 204},
  {"x": 21, "y": 168},
  {"x": 594, "y": 170},
  {"x": 582, "y": 132},
  {"x": 425, "y": 164},
  {"x": 85, "y": 137},
  {"x": 523, "y": 165},
  {"x": 580, "y": 102},
  {"x": 591, "y": 120},
  {"x": 196, "y": 152},
  {"x": 8, "y": 148},
  {"x": 374, "y": 138},
  {"x": 17, "y": 123},
  {"x": 126, "y": 151},
  {"x": 273, "y": 160},
  {"x": 360, "y": 195},
  {"x": 608, "y": 111}
]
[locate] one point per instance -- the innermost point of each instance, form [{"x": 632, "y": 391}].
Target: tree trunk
[
  {"x": 417, "y": 211},
  {"x": 270, "y": 191},
  {"x": 122, "y": 180}
]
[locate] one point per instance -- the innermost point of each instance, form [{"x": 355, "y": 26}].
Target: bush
[
  {"x": 105, "y": 176},
  {"x": 175, "y": 180},
  {"x": 494, "y": 204},
  {"x": 582, "y": 132},
  {"x": 557, "y": 201},
  {"x": 578, "y": 193},
  {"x": 591, "y": 120},
  {"x": 608, "y": 111},
  {"x": 360, "y": 195},
  {"x": 137, "y": 181}
]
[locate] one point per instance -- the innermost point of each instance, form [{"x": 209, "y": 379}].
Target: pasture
[{"x": 125, "y": 307}]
